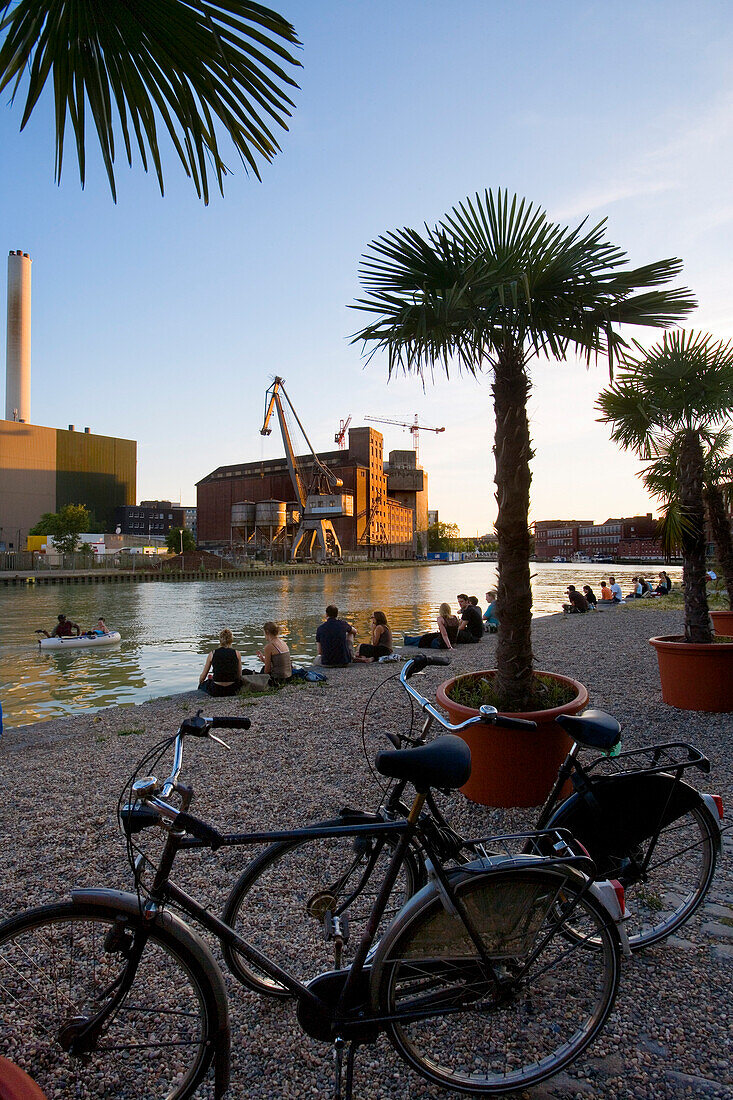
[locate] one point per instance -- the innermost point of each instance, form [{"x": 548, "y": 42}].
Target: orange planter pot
[
  {"x": 514, "y": 767},
  {"x": 693, "y": 676},
  {"x": 723, "y": 622}
]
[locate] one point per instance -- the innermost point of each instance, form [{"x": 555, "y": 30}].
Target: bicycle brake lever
[{"x": 219, "y": 741}]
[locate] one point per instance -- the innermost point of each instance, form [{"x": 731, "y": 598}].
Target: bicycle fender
[
  {"x": 430, "y": 892},
  {"x": 625, "y": 810},
  {"x": 119, "y": 901}
]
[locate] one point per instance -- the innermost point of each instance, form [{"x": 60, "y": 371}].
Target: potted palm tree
[
  {"x": 492, "y": 286},
  {"x": 660, "y": 478},
  {"x": 667, "y": 401}
]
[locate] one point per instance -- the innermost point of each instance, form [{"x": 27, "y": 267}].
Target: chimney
[{"x": 18, "y": 346}]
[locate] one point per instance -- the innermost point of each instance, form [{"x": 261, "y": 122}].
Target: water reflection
[{"x": 167, "y": 629}]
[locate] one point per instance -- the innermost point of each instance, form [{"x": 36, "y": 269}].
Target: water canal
[{"x": 168, "y": 628}]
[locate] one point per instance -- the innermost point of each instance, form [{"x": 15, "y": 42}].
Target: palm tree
[
  {"x": 196, "y": 66},
  {"x": 661, "y": 479},
  {"x": 667, "y": 401},
  {"x": 491, "y": 286}
]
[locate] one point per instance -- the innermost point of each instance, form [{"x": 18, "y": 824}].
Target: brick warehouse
[{"x": 381, "y": 526}]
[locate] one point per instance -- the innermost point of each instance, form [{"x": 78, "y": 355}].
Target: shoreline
[{"x": 301, "y": 761}]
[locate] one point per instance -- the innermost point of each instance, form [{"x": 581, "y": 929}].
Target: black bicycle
[
  {"x": 492, "y": 977},
  {"x": 642, "y": 823}
]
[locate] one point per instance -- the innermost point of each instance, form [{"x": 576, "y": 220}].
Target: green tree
[
  {"x": 664, "y": 403},
  {"x": 45, "y": 525},
  {"x": 173, "y": 541},
  {"x": 66, "y": 526},
  {"x": 198, "y": 67},
  {"x": 440, "y": 535},
  {"x": 490, "y": 287}
]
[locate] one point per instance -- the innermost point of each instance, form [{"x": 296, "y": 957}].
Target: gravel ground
[{"x": 670, "y": 1033}]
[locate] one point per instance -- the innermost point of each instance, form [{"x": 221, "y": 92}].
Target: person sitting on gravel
[
  {"x": 578, "y": 605},
  {"x": 335, "y": 640},
  {"x": 590, "y": 596},
  {"x": 225, "y": 664},
  {"x": 471, "y": 626},
  {"x": 442, "y": 638},
  {"x": 491, "y": 621},
  {"x": 275, "y": 656},
  {"x": 381, "y": 643}
]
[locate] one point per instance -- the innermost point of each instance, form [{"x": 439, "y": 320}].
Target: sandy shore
[{"x": 670, "y": 1034}]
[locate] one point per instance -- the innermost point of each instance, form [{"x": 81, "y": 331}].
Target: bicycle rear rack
[{"x": 670, "y": 756}]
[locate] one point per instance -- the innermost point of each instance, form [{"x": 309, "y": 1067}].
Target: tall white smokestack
[{"x": 18, "y": 354}]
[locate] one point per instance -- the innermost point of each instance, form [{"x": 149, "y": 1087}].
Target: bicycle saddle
[
  {"x": 445, "y": 762},
  {"x": 593, "y": 728}
]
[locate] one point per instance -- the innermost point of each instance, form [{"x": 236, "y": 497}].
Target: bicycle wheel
[
  {"x": 284, "y": 893},
  {"x": 556, "y": 984},
  {"x": 59, "y": 966},
  {"x": 677, "y": 879}
]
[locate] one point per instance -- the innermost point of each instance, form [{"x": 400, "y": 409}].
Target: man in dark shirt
[
  {"x": 64, "y": 629},
  {"x": 578, "y": 604},
  {"x": 471, "y": 627},
  {"x": 334, "y": 639}
]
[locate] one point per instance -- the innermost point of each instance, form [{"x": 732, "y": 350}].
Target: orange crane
[
  {"x": 414, "y": 427},
  {"x": 340, "y": 436}
]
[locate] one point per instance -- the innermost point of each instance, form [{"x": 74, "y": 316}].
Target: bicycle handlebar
[
  {"x": 487, "y": 715},
  {"x": 198, "y": 726}
]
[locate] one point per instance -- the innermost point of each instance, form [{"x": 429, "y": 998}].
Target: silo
[
  {"x": 243, "y": 514},
  {"x": 18, "y": 344},
  {"x": 242, "y": 520},
  {"x": 271, "y": 514}
]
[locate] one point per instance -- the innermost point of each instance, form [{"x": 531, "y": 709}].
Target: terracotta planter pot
[
  {"x": 695, "y": 677},
  {"x": 723, "y": 622},
  {"x": 514, "y": 767}
]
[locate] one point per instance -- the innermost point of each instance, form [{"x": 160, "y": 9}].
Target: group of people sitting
[
  {"x": 452, "y": 630},
  {"x": 223, "y": 673},
  {"x": 336, "y": 644},
  {"x": 580, "y": 602}
]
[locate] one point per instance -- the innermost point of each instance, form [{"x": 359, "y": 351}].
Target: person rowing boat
[{"x": 64, "y": 629}]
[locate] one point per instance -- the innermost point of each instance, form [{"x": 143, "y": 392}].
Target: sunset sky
[{"x": 162, "y": 320}]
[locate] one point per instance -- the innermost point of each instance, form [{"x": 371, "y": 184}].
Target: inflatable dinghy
[{"x": 109, "y": 638}]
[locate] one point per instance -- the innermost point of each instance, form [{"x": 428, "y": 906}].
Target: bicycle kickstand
[{"x": 338, "y": 1057}]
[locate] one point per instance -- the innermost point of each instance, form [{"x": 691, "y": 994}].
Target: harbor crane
[
  {"x": 340, "y": 436},
  {"x": 319, "y": 497},
  {"x": 414, "y": 427}
]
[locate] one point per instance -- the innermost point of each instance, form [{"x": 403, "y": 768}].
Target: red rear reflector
[
  {"x": 619, "y": 891},
  {"x": 717, "y": 799}
]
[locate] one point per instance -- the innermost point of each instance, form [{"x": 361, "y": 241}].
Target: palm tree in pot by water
[
  {"x": 490, "y": 287},
  {"x": 668, "y": 400}
]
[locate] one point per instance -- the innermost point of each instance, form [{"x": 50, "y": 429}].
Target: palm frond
[
  {"x": 196, "y": 67},
  {"x": 496, "y": 271}
]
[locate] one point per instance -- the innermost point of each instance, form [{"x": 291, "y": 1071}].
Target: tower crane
[
  {"x": 414, "y": 427},
  {"x": 319, "y": 499},
  {"x": 340, "y": 436}
]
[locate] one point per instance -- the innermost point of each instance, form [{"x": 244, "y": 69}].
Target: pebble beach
[{"x": 671, "y": 1032}]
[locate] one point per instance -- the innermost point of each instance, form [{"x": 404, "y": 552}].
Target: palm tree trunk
[
  {"x": 513, "y": 451},
  {"x": 697, "y": 617},
  {"x": 722, "y": 538}
]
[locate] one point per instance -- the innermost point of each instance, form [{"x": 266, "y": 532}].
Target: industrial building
[
  {"x": 150, "y": 518},
  {"x": 252, "y": 506},
  {"x": 42, "y": 469},
  {"x": 633, "y": 537}
]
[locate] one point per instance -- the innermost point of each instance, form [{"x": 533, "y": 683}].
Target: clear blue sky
[{"x": 162, "y": 320}]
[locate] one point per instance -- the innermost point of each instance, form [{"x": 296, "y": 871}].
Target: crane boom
[
  {"x": 414, "y": 427},
  {"x": 275, "y": 403}
]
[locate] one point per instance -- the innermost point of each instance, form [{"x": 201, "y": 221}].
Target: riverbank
[{"x": 670, "y": 1034}]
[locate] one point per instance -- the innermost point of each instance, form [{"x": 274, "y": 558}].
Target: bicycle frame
[{"x": 163, "y": 891}]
